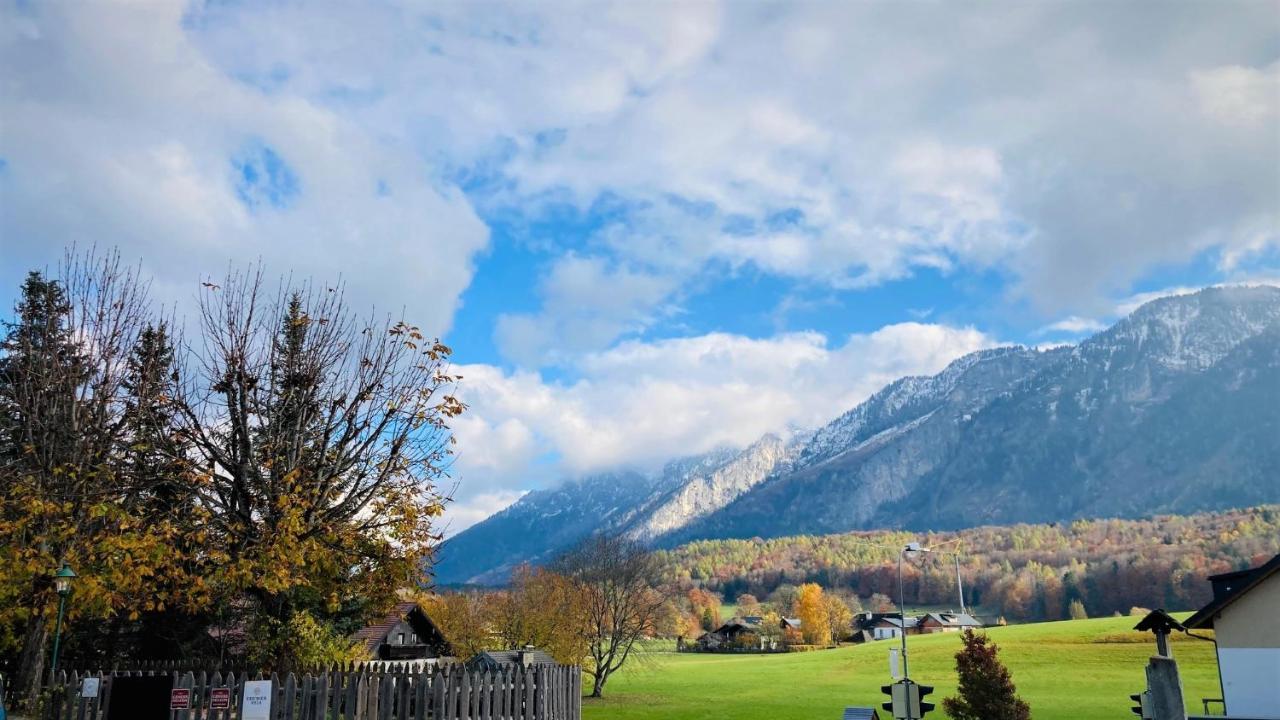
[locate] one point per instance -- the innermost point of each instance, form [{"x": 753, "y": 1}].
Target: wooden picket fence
[{"x": 450, "y": 692}]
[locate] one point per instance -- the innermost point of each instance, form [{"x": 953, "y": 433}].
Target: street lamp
[
  {"x": 62, "y": 583},
  {"x": 910, "y": 550}
]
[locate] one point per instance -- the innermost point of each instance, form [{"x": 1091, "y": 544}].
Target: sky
[{"x": 649, "y": 230}]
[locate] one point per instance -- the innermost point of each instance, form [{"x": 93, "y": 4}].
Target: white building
[{"x": 1245, "y": 618}]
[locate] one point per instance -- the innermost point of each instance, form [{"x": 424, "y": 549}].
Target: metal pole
[
  {"x": 902, "y": 616},
  {"x": 959, "y": 586},
  {"x": 57, "y": 636}
]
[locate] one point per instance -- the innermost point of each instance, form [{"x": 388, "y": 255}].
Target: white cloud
[
  {"x": 586, "y": 304},
  {"x": 1074, "y": 148},
  {"x": 642, "y": 403},
  {"x": 119, "y": 131},
  {"x": 462, "y": 515},
  {"x": 1238, "y": 96},
  {"x": 1073, "y": 325}
]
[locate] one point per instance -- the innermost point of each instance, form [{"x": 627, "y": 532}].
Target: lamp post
[
  {"x": 912, "y": 549},
  {"x": 62, "y": 583}
]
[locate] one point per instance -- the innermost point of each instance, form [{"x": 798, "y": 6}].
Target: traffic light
[
  {"x": 1143, "y": 707},
  {"x": 887, "y": 705},
  {"x": 925, "y": 707}
]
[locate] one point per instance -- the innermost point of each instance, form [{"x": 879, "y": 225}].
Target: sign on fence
[
  {"x": 257, "y": 700},
  {"x": 220, "y": 698},
  {"x": 180, "y": 699},
  {"x": 89, "y": 688}
]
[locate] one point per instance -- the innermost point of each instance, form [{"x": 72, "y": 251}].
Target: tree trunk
[
  {"x": 598, "y": 679},
  {"x": 32, "y": 661}
]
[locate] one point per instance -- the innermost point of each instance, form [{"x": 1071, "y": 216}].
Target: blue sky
[{"x": 652, "y": 229}]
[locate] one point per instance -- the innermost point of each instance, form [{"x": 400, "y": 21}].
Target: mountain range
[{"x": 1174, "y": 409}]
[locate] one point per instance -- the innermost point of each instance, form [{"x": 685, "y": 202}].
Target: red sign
[
  {"x": 220, "y": 699},
  {"x": 180, "y": 699}
]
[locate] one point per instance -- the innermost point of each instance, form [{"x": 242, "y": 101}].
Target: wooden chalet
[{"x": 404, "y": 633}]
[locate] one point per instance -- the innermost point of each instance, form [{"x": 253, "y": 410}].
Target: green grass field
[{"x": 1081, "y": 670}]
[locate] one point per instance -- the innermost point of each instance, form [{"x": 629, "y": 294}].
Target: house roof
[
  {"x": 860, "y": 713},
  {"x": 751, "y": 622},
  {"x": 952, "y": 619},
  {"x": 1228, "y": 588},
  {"x": 791, "y": 622},
  {"x": 897, "y": 621}
]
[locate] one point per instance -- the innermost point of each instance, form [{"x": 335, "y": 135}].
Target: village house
[
  {"x": 946, "y": 622},
  {"x": 1242, "y": 615},
  {"x": 882, "y": 626},
  {"x": 731, "y": 633},
  {"x": 404, "y": 633}
]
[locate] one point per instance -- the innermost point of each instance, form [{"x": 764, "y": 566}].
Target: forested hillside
[{"x": 1023, "y": 572}]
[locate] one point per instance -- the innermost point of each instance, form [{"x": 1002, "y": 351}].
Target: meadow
[{"x": 1079, "y": 669}]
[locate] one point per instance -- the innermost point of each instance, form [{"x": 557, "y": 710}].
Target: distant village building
[
  {"x": 525, "y": 657},
  {"x": 1245, "y": 617},
  {"x": 748, "y": 633},
  {"x": 882, "y": 626},
  {"x": 404, "y": 633},
  {"x": 886, "y": 626},
  {"x": 731, "y": 634},
  {"x": 947, "y": 622}
]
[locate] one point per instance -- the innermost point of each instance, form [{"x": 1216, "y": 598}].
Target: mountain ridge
[{"x": 1164, "y": 411}]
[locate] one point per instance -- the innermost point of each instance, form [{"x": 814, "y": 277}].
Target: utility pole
[{"x": 959, "y": 586}]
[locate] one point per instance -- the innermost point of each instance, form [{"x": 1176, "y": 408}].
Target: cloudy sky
[{"x": 650, "y": 229}]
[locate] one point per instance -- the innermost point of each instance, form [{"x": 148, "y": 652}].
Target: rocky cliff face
[
  {"x": 704, "y": 493},
  {"x": 1174, "y": 409}
]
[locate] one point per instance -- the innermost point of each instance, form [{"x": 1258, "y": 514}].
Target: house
[
  {"x": 525, "y": 657},
  {"x": 882, "y": 626},
  {"x": 739, "y": 625},
  {"x": 947, "y": 622},
  {"x": 791, "y": 624},
  {"x": 709, "y": 641},
  {"x": 861, "y": 713},
  {"x": 1242, "y": 615},
  {"x": 404, "y": 633},
  {"x": 731, "y": 634}
]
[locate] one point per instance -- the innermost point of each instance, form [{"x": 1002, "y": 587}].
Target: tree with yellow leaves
[
  {"x": 812, "y": 609},
  {"x": 67, "y": 380}
]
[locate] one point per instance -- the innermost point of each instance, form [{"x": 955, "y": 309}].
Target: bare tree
[
  {"x": 61, "y": 405},
  {"x": 324, "y": 436},
  {"x": 618, "y": 579}
]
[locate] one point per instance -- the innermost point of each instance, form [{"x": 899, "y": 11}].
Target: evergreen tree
[{"x": 986, "y": 690}]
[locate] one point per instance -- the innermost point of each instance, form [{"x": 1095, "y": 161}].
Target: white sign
[
  {"x": 893, "y": 663},
  {"x": 257, "y": 700},
  {"x": 89, "y": 687}
]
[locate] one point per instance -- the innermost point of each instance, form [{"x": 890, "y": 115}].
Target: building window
[{"x": 401, "y": 640}]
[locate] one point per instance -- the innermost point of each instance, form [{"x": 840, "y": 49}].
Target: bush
[{"x": 1077, "y": 611}]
